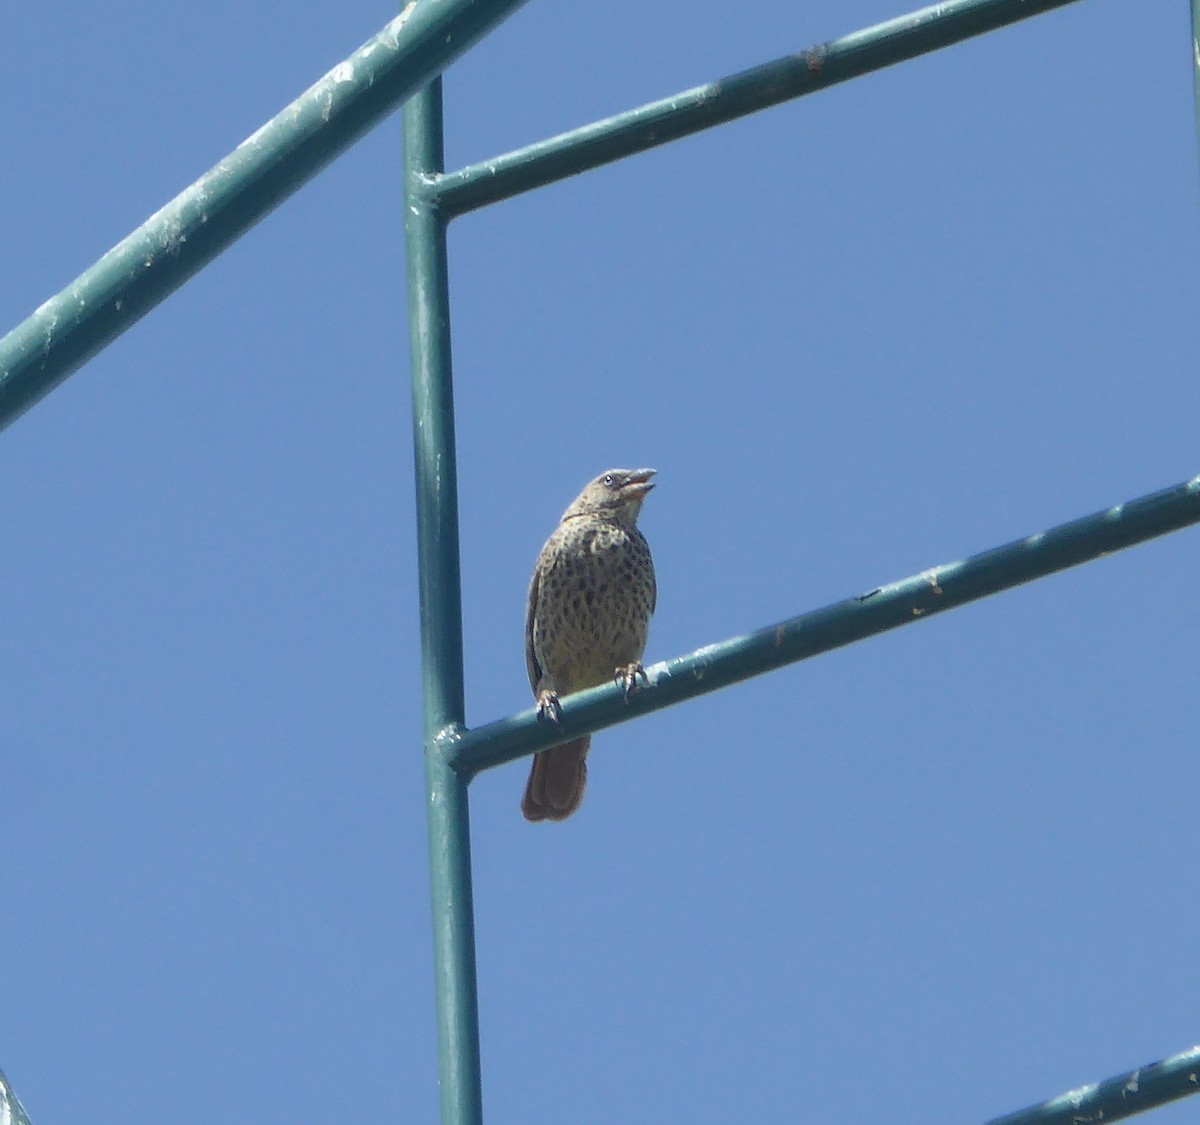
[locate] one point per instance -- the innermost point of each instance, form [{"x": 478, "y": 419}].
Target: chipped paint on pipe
[{"x": 1136, "y": 1091}]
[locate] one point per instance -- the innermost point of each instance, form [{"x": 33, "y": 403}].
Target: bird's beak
[{"x": 638, "y": 482}]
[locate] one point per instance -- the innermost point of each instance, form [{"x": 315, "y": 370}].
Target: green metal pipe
[
  {"x": 1145, "y": 1088},
  {"x": 459, "y": 1078},
  {"x": 11, "y": 1110},
  {"x": 441, "y": 616},
  {"x": 899, "y": 603},
  {"x": 433, "y": 418},
  {"x": 267, "y": 167},
  {"x": 1196, "y": 60},
  {"x": 700, "y": 108}
]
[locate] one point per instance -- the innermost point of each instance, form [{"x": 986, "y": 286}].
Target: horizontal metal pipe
[
  {"x": 899, "y": 603},
  {"x": 1123, "y": 1096},
  {"x": 700, "y": 108},
  {"x": 204, "y": 219}
]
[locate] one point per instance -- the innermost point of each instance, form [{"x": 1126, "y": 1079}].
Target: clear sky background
[{"x": 932, "y": 877}]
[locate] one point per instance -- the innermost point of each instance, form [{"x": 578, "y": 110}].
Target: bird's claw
[
  {"x": 548, "y": 707},
  {"x": 628, "y": 675}
]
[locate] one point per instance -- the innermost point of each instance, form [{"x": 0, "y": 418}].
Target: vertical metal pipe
[
  {"x": 1196, "y": 59},
  {"x": 454, "y": 945},
  {"x": 441, "y": 615}
]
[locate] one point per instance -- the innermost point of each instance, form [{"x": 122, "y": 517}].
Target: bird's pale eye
[{"x": 608, "y": 480}]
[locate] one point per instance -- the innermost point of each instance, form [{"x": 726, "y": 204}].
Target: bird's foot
[
  {"x": 628, "y": 675},
  {"x": 548, "y": 707}
]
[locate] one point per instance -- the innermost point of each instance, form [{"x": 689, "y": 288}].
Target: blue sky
[{"x": 935, "y": 876}]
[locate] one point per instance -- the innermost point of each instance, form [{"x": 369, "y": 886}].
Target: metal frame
[
  {"x": 11, "y": 1110},
  {"x": 402, "y": 63}
]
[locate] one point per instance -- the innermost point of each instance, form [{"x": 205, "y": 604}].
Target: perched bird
[{"x": 589, "y": 611}]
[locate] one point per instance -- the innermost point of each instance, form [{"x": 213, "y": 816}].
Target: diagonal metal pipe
[
  {"x": 210, "y": 215},
  {"x": 1128, "y": 1094},
  {"x": 715, "y": 103},
  {"x": 899, "y": 603}
]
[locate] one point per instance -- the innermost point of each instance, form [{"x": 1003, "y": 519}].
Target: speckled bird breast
[{"x": 595, "y": 593}]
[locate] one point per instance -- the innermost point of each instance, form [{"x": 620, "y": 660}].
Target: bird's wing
[
  {"x": 653, "y": 580},
  {"x": 531, "y": 660}
]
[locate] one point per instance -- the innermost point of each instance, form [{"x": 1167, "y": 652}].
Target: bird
[{"x": 586, "y": 621}]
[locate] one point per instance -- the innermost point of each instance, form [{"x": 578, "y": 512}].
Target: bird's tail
[{"x": 557, "y": 781}]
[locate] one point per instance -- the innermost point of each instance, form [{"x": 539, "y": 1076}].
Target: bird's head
[{"x": 616, "y": 495}]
